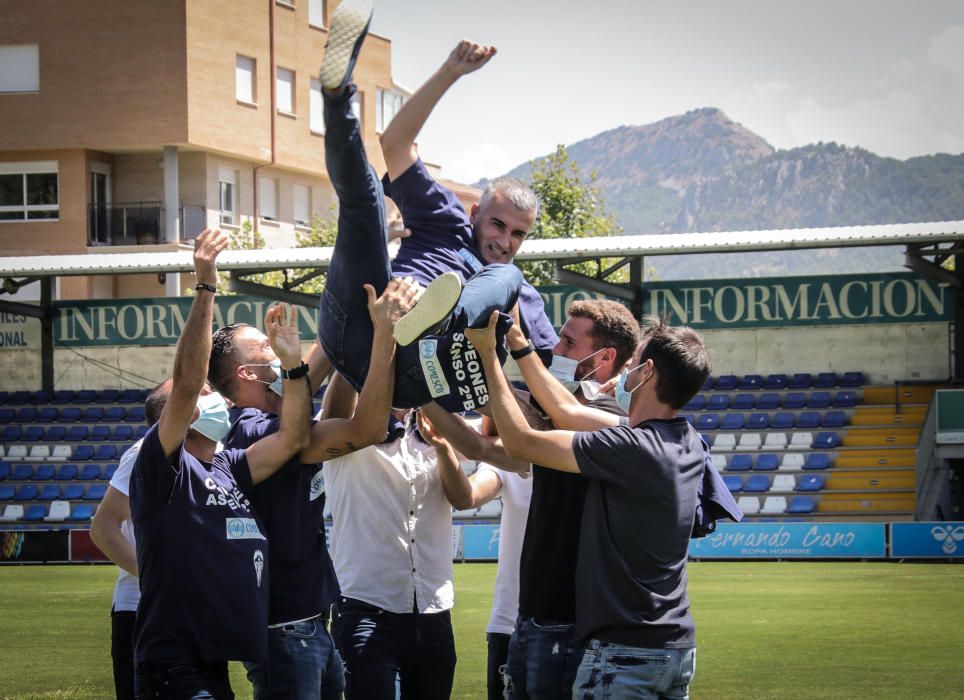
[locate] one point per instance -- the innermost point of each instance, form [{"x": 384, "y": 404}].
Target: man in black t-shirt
[{"x": 632, "y": 610}]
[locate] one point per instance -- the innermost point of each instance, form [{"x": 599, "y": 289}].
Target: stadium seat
[
  {"x": 492, "y": 509},
  {"x": 77, "y": 433},
  {"x": 27, "y": 414},
  {"x": 4, "y": 470},
  {"x": 105, "y": 453},
  {"x": 81, "y": 512},
  {"x": 783, "y": 420},
  {"x": 795, "y": 400},
  {"x": 726, "y": 382},
  {"x": 825, "y": 380},
  {"x": 852, "y": 379},
  {"x": 750, "y": 505},
  {"x": 122, "y": 433},
  {"x": 733, "y": 482},
  {"x": 74, "y": 492},
  {"x": 776, "y": 381},
  {"x": 16, "y": 453},
  {"x": 810, "y": 482},
  {"x": 7, "y": 492},
  {"x": 33, "y": 433},
  {"x": 99, "y": 433},
  {"x": 740, "y": 463},
  {"x": 20, "y": 396},
  {"x": 783, "y": 482},
  {"x": 12, "y": 512},
  {"x": 757, "y": 483},
  {"x": 4, "y": 395},
  {"x": 59, "y": 511},
  {"x": 83, "y": 452},
  {"x": 67, "y": 472},
  {"x": 801, "y": 441},
  {"x": 56, "y": 433},
  {"x": 845, "y": 399},
  {"x": 708, "y": 384},
  {"x": 85, "y": 396},
  {"x": 115, "y": 414},
  {"x": 718, "y": 402},
  {"x": 41, "y": 396},
  {"x": 27, "y": 492},
  {"x": 48, "y": 414},
  {"x": 140, "y": 431},
  {"x": 719, "y": 461},
  {"x": 767, "y": 462},
  {"x": 688, "y": 417},
  {"x": 792, "y": 460},
  {"x": 724, "y": 442},
  {"x": 70, "y": 414},
  {"x": 732, "y": 421},
  {"x": 38, "y": 453},
  {"x": 801, "y": 505},
  {"x": 817, "y": 460},
  {"x": 819, "y": 399},
  {"x": 743, "y": 402},
  {"x": 89, "y": 472},
  {"x": 95, "y": 492},
  {"x": 109, "y": 472},
  {"x": 64, "y": 395},
  {"x": 834, "y": 419},
  {"x": 11, "y": 433},
  {"x": 826, "y": 440},
  {"x": 800, "y": 380},
  {"x": 775, "y": 441},
  {"x": 758, "y": 421},
  {"x": 44, "y": 472},
  {"x": 135, "y": 414},
  {"x": 768, "y": 402},
  {"x": 750, "y": 441},
  {"x": 751, "y": 382},
  {"x": 808, "y": 420},
  {"x": 92, "y": 414},
  {"x": 697, "y": 403},
  {"x": 35, "y": 512},
  {"x": 50, "y": 492},
  {"x": 774, "y": 505},
  {"x": 7, "y": 415},
  {"x": 131, "y": 396},
  {"x": 108, "y": 395},
  {"x": 61, "y": 453},
  {"x": 22, "y": 472},
  {"x": 707, "y": 421}
]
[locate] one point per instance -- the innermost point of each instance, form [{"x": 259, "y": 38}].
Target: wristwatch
[
  {"x": 296, "y": 373},
  {"x": 519, "y": 354}
]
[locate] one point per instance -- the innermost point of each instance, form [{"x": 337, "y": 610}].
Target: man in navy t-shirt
[
  {"x": 201, "y": 549},
  {"x": 442, "y": 249},
  {"x": 632, "y": 610}
]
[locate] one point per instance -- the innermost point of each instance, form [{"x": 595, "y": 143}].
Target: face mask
[
  {"x": 564, "y": 369},
  {"x": 590, "y": 389},
  {"x": 213, "y": 421},
  {"x": 624, "y": 396},
  {"x": 277, "y": 386}
]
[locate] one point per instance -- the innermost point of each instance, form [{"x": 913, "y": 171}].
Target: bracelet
[
  {"x": 519, "y": 354},
  {"x": 201, "y": 287},
  {"x": 296, "y": 373}
]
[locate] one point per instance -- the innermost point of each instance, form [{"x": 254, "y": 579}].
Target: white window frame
[
  {"x": 301, "y": 219},
  {"x": 285, "y": 91},
  {"x": 383, "y": 96},
  {"x": 19, "y": 68},
  {"x": 358, "y": 107},
  {"x": 266, "y": 185},
  {"x": 316, "y": 13},
  {"x": 242, "y": 86},
  {"x": 25, "y": 168},
  {"x": 316, "y": 108},
  {"x": 228, "y": 177}
]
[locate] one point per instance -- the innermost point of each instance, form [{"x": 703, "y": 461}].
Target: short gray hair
[{"x": 516, "y": 191}]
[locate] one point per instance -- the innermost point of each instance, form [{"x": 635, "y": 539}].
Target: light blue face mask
[
  {"x": 213, "y": 421},
  {"x": 564, "y": 369},
  {"x": 277, "y": 386},
  {"x": 624, "y": 396}
]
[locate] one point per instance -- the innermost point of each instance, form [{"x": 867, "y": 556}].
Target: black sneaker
[
  {"x": 431, "y": 312},
  {"x": 349, "y": 25}
]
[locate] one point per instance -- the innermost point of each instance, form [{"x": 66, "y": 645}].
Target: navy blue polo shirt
[
  {"x": 201, "y": 555},
  {"x": 291, "y": 504}
]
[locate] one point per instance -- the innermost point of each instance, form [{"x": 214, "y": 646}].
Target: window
[
  {"x": 20, "y": 68},
  {"x": 316, "y": 108},
  {"x": 356, "y": 106},
  {"x": 285, "y": 91},
  {"x": 228, "y": 196},
  {"x": 316, "y": 13},
  {"x": 387, "y": 104},
  {"x": 302, "y": 202},
  {"x": 29, "y": 191},
  {"x": 287, "y": 3},
  {"x": 268, "y": 196},
  {"x": 244, "y": 74}
]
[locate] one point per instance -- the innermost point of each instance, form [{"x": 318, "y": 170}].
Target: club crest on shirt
[
  {"x": 258, "y": 565},
  {"x": 243, "y": 529},
  {"x": 317, "y": 485},
  {"x": 432, "y": 368}
]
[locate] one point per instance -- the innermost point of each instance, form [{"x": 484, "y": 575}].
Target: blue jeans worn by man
[
  {"x": 643, "y": 674},
  {"x": 303, "y": 659},
  {"x": 543, "y": 658}
]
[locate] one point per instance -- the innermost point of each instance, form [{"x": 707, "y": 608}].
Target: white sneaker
[
  {"x": 432, "y": 310},
  {"x": 349, "y": 25}
]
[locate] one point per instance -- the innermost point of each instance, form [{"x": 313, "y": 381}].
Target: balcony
[{"x": 138, "y": 223}]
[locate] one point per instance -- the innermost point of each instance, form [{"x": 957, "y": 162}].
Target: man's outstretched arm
[{"x": 398, "y": 139}]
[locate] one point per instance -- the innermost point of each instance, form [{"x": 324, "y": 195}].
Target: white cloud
[
  {"x": 947, "y": 50},
  {"x": 771, "y": 89},
  {"x": 470, "y": 162}
]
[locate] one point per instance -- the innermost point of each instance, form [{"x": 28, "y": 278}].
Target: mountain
[{"x": 701, "y": 171}]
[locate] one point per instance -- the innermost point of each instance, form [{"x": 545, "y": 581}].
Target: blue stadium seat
[
  {"x": 727, "y": 382},
  {"x": 718, "y": 402},
  {"x": 826, "y": 440},
  {"x": 70, "y": 414},
  {"x": 100, "y": 433},
  {"x": 56, "y": 433},
  {"x": 810, "y": 482},
  {"x": 825, "y": 380},
  {"x": 845, "y": 399},
  {"x": 64, "y": 395},
  {"x": 733, "y": 482},
  {"x": 768, "y": 402},
  {"x": 852, "y": 379},
  {"x": 732, "y": 421},
  {"x": 817, "y": 460},
  {"x": 135, "y": 415},
  {"x": 27, "y": 492},
  {"x": 795, "y": 400},
  {"x": 115, "y": 414},
  {"x": 122, "y": 433},
  {"x": 776, "y": 381},
  {"x": 83, "y": 452},
  {"x": 48, "y": 414},
  {"x": 36, "y": 512},
  {"x": 108, "y": 395},
  {"x": 808, "y": 420},
  {"x": 81, "y": 512},
  {"x": 44, "y": 472},
  {"x": 77, "y": 433},
  {"x": 131, "y": 396},
  {"x": 92, "y": 414},
  {"x": 834, "y": 419},
  {"x": 140, "y": 431},
  {"x": 752, "y": 382},
  {"x": 740, "y": 463},
  {"x": 782, "y": 420},
  {"x": 766, "y": 463},
  {"x": 22, "y": 472},
  {"x": 801, "y": 505},
  {"x": 743, "y": 402},
  {"x": 26, "y": 414},
  {"x": 50, "y": 492},
  {"x": 20, "y": 396},
  {"x": 7, "y": 492},
  {"x": 89, "y": 472},
  {"x": 85, "y": 396},
  {"x": 708, "y": 421},
  {"x": 819, "y": 399},
  {"x": 4, "y": 470},
  {"x": 95, "y": 492},
  {"x": 105, "y": 453},
  {"x": 697, "y": 403},
  {"x": 800, "y": 380},
  {"x": 42, "y": 396},
  {"x": 688, "y": 417},
  {"x": 7, "y": 415},
  {"x": 708, "y": 384},
  {"x": 757, "y": 483},
  {"x": 73, "y": 492},
  {"x": 4, "y": 395},
  {"x": 33, "y": 433},
  {"x": 109, "y": 472},
  {"x": 11, "y": 433},
  {"x": 66, "y": 472}
]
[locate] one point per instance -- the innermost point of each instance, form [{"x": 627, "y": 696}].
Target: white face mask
[
  {"x": 277, "y": 386},
  {"x": 564, "y": 369},
  {"x": 213, "y": 421}
]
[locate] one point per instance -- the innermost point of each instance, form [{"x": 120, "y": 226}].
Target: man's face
[
  {"x": 255, "y": 350},
  {"x": 500, "y": 227},
  {"x": 576, "y": 343}
]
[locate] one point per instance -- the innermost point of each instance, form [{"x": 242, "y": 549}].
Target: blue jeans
[
  {"x": 360, "y": 257},
  {"x": 302, "y": 663},
  {"x": 617, "y": 671},
  {"x": 182, "y": 680},
  {"x": 379, "y": 646},
  {"x": 543, "y": 658}
]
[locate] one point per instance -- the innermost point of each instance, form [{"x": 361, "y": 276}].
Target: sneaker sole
[
  {"x": 349, "y": 25},
  {"x": 436, "y": 303}
]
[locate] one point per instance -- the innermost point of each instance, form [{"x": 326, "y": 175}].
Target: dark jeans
[
  {"x": 182, "y": 680},
  {"x": 302, "y": 664},
  {"x": 377, "y": 646},
  {"x": 498, "y": 653},
  {"x": 361, "y": 257},
  {"x": 543, "y": 660},
  {"x": 122, "y": 652}
]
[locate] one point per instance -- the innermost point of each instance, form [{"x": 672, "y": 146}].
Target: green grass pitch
[{"x": 767, "y": 630}]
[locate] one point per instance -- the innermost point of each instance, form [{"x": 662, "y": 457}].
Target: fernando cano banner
[{"x": 793, "y": 541}]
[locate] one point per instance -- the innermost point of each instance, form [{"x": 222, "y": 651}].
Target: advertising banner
[
  {"x": 83, "y": 549},
  {"x": 792, "y": 541},
  {"x": 939, "y": 540},
  {"x": 480, "y": 542},
  {"x": 33, "y": 546}
]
